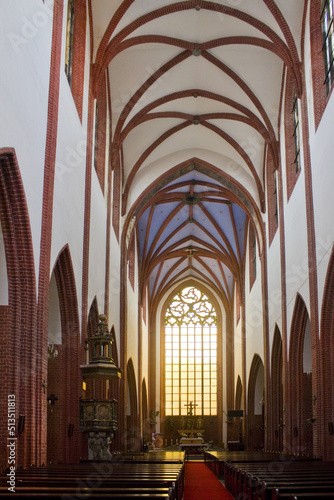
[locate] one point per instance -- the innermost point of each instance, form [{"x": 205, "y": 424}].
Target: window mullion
[{"x": 192, "y": 322}]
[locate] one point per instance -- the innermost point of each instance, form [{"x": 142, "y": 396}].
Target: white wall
[
  {"x": 3, "y": 272},
  {"x": 25, "y": 39},
  {"x": 132, "y": 320},
  {"x": 254, "y": 316},
  {"x": 322, "y": 158},
  {"x": 114, "y": 287},
  {"x": 54, "y": 320},
  {"x": 25, "y": 36},
  {"x": 145, "y": 348}
]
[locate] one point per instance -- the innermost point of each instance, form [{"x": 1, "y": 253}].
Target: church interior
[{"x": 166, "y": 244}]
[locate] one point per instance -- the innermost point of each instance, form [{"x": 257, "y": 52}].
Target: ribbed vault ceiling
[{"x": 195, "y": 91}]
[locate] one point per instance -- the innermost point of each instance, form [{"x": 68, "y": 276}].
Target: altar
[
  {"x": 191, "y": 437},
  {"x": 191, "y": 443}
]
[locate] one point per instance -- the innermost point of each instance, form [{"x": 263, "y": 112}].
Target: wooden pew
[
  {"x": 213, "y": 463},
  {"x": 311, "y": 496},
  {"x": 93, "y": 496},
  {"x": 261, "y": 481},
  {"x": 103, "y": 480},
  {"x": 286, "y": 491}
]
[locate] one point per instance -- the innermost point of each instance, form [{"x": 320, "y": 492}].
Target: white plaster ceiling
[{"x": 196, "y": 79}]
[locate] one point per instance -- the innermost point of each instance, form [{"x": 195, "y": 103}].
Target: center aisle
[{"x": 200, "y": 483}]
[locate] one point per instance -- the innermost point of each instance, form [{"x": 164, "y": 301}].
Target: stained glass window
[
  {"x": 327, "y": 23},
  {"x": 296, "y": 132},
  {"x": 69, "y": 41},
  {"x": 190, "y": 354}
]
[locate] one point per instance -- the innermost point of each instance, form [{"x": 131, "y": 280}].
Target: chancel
[
  {"x": 166, "y": 247},
  {"x": 192, "y": 435}
]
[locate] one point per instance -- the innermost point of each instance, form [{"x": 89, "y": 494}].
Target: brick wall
[
  {"x": 101, "y": 132},
  {"x": 291, "y": 173},
  {"x": 320, "y": 96},
  {"x": 79, "y": 54},
  {"x": 5, "y": 386},
  {"x": 272, "y": 198},
  {"x": 18, "y": 320}
]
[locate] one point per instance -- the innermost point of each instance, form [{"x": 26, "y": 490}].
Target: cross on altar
[{"x": 191, "y": 407}]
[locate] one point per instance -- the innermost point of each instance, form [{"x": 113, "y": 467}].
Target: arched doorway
[
  {"x": 238, "y": 421},
  {"x": 133, "y": 439},
  {"x": 301, "y": 405},
  {"x": 144, "y": 405},
  {"x": 277, "y": 422},
  {"x": 64, "y": 377},
  {"x": 255, "y": 413}
]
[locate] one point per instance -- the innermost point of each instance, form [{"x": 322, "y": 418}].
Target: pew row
[
  {"x": 279, "y": 480},
  {"x": 99, "y": 480}
]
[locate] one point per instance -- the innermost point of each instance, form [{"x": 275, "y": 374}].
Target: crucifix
[{"x": 191, "y": 408}]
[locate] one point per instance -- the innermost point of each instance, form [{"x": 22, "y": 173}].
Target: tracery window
[
  {"x": 327, "y": 21},
  {"x": 296, "y": 132},
  {"x": 96, "y": 128},
  {"x": 252, "y": 256},
  {"x": 69, "y": 41},
  {"x": 190, "y": 354},
  {"x": 276, "y": 197}
]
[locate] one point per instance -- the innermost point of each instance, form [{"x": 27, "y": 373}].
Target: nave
[{"x": 166, "y": 230}]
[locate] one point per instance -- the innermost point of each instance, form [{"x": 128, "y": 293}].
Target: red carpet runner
[{"x": 200, "y": 483}]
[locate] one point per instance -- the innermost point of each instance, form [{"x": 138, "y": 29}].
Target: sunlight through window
[{"x": 190, "y": 354}]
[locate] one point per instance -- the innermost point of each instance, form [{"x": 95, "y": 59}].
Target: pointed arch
[
  {"x": 276, "y": 393},
  {"x": 132, "y": 424},
  {"x": 64, "y": 446},
  {"x": 18, "y": 356},
  {"x": 93, "y": 318},
  {"x": 300, "y": 398},
  {"x": 237, "y": 193},
  {"x": 144, "y": 405},
  {"x": 109, "y": 45},
  {"x": 199, "y": 375},
  {"x": 114, "y": 345},
  {"x": 255, "y": 410},
  {"x": 237, "y": 431},
  {"x": 238, "y": 394}
]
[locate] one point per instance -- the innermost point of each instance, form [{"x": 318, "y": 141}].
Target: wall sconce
[
  {"x": 20, "y": 425},
  {"x": 52, "y": 399},
  {"x": 52, "y": 351},
  {"x": 281, "y": 424},
  {"x": 311, "y": 420}
]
